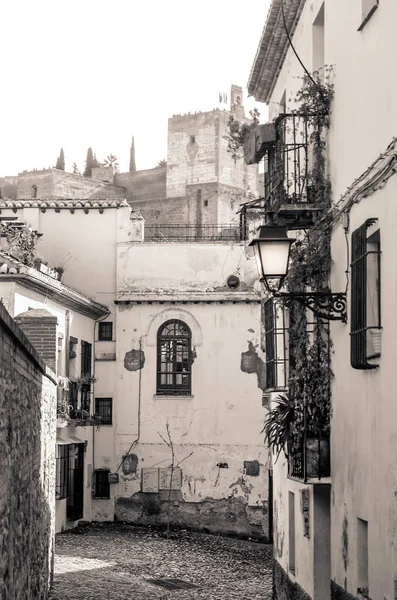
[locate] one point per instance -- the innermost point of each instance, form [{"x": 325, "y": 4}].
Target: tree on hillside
[
  {"x": 132, "y": 156},
  {"x": 111, "y": 161},
  {"x": 60, "y": 161},
  {"x": 75, "y": 169},
  {"x": 96, "y": 163},
  {"x": 88, "y": 163}
]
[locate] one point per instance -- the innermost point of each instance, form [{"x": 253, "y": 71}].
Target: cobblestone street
[{"x": 116, "y": 562}]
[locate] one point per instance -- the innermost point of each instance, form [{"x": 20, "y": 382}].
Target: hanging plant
[{"x": 277, "y": 426}]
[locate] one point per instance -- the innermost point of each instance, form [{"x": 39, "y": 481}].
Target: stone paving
[{"x": 115, "y": 562}]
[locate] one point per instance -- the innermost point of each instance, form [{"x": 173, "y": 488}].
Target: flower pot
[{"x": 318, "y": 458}]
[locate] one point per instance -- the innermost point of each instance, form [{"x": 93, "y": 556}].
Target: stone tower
[{"x": 200, "y": 168}]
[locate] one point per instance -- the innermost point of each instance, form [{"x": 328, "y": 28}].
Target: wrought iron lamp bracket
[{"x": 326, "y": 305}]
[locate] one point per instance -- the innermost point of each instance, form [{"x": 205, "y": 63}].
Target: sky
[{"x": 80, "y": 73}]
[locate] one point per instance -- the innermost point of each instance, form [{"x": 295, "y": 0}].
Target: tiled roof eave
[
  {"x": 64, "y": 203},
  {"x": 65, "y": 296},
  {"x": 273, "y": 48}
]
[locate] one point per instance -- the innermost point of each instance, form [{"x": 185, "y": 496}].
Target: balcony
[
  {"x": 196, "y": 233},
  {"x": 309, "y": 460},
  {"x": 289, "y": 197}
]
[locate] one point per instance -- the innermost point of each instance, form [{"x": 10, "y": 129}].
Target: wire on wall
[{"x": 139, "y": 411}]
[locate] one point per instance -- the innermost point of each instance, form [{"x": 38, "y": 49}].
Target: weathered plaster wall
[
  {"x": 218, "y": 425},
  {"x": 84, "y": 244},
  {"x": 175, "y": 269},
  {"x": 27, "y": 467}
]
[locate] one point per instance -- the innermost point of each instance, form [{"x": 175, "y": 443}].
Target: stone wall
[
  {"x": 54, "y": 183},
  {"x": 27, "y": 466},
  {"x": 284, "y": 588},
  {"x": 147, "y": 185}
]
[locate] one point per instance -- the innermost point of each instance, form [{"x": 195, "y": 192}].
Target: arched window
[{"x": 174, "y": 359}]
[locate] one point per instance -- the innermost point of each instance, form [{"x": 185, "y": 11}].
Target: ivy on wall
[{"x": 310, "y": 263}]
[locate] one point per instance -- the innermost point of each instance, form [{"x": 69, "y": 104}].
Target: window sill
[{"x": 173, "y": 397}]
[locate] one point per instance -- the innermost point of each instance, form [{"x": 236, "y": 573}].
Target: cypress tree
[
  {"x": 88, "y": 163},
  {"x": 60, "y": 164}
]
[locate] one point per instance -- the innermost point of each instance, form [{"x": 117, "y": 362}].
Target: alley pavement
[{"x": 118, "y": 562}]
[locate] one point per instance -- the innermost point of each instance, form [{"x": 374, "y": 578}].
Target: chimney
[{"x": 40, "y": 327}]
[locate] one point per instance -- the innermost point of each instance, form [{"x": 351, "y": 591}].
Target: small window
[
  {"x": 104, "y": 410},
  {"x": 275, "y": 343},
  {"x": 62, "y": 473},
  {"x": 365, "y": 296},
  {"x": 291, "y": 527},
  {"x": 34, "y": 191},
  {"x": 192, "y": 139},
  {"x": 368, "y": 7},
  {"x": 101, "y": 483},
  {"x": 362, "y": 558},
  {"x": 105, "y": 332},
  {"x": 205, "y": 202},
  {"x": 174, "y": 359}
]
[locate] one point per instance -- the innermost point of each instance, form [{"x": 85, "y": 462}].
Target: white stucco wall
[{"x": 363, "y": 123}]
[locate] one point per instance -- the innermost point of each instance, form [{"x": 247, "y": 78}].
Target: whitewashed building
[{"x": 335, "y": 537}]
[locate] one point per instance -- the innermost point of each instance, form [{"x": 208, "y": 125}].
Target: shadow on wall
[{"x": 27, "y": 494}]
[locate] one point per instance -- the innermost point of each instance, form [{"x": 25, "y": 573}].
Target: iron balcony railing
[
  {"x": 310, "y": 458},
  {"x": 196, "y": 233},
  {"x": 287, "y": 168}
]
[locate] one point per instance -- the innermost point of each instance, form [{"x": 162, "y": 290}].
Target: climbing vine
[
  {"x": 310, "y": 263},
  {"x": 237, "y": 133},
  {"x": 21, "y": 241}
]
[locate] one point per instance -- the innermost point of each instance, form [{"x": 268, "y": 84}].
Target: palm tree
[{"x": 111, "y": 161}]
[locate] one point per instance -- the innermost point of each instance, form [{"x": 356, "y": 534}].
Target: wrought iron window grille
[
  {"x": 105, "y": 331},
  {"x": 104, "y": 410},
  {"x": 274, "y": 318},
  {"x": 101, "y": 484},
  {"x": 62, "y": 472},
  {"x": 365, "y": 296}
]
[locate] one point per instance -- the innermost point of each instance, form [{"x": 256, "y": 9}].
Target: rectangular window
[
  {"x": 62, "y": 473},
  {"x": 275, "y": 343},
  {"x": 362, "y": 557},
  {"x": 101, "y": 484},
  {"x": 86, "y": 356},
  {"x": 192, "y": 139},
  {"x": 86, "y": 370},
  {"x": 291, "y": 537},
  {"x": 365, "y": 296},
  {"x": 368, "y": 7},
  {"x": 105, "y": 332},
  {"x": 318, "y": 42},
  {"x": 104, "y": 410},
  {"x": 73, "y": 394},
  {"x": 75, "y": 501}
]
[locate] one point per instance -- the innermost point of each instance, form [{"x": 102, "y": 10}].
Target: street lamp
[{"x": 272, "y": 249}]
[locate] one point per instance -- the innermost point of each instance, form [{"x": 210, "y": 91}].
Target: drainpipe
[{"x": 67, "y": 343}]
